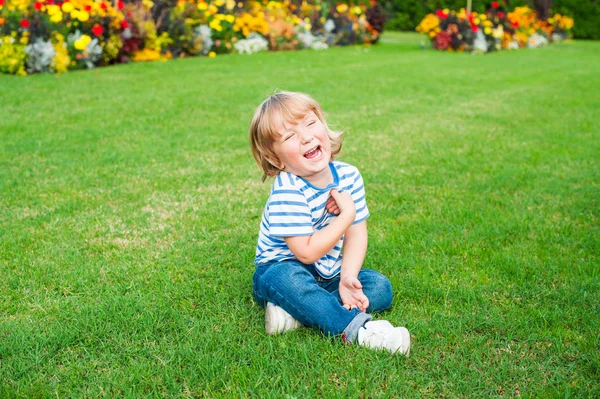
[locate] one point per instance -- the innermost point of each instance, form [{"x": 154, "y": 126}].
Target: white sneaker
[
  {"x": 381, "y": 334},
  {"x": 278, "y": 320}
]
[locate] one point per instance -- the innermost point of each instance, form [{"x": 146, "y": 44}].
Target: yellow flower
[
  {"x": 230, "y": 4},
  {"x": 57, "y": 17},
  {"x": 342, "y": 8},
  {"x": 219, "y": 3},
  {"x": 356, "y": 10},
  {"x": 82, "y": 42},
  {"x": 230, "y": 18},
  {"x": 67, "y": 7},
  {"x": 212, "y": 9},
  {"x": 212, "y": 54},
  {"x": 215, "y": 24},
  {"x": 83, "y": 16},
  {"x": 53, "y": 9},
  {"x": 202, "y": 6},
  {"x": 487, "y": 30}
]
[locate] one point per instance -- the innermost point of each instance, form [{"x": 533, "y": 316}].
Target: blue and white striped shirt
[{"x": 297, "y": 208}]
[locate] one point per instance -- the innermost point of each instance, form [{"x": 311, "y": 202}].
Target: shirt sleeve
[
  {"x": 289, "y": 213},
  {"x": 360, "y": 201}
]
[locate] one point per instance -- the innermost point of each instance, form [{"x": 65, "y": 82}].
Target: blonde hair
[{"x": 281, "y": 107}]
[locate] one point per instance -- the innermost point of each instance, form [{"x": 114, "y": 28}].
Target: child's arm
[
  {"x": 353, "y": 255},
  {"x": 309, "y": 249}
]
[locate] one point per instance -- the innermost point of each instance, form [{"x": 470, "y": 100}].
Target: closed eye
[
  {"x": 311, "y": 123},
  {"x": 289, "y": 136}
]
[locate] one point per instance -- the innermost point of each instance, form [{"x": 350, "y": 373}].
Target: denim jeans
[{"x": 315, "y": 301}]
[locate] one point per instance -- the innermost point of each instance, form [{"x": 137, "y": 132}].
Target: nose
[{"x": 307, "y": 137}]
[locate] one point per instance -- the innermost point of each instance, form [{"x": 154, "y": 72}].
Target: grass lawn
[{"x": 130, "y": 204}]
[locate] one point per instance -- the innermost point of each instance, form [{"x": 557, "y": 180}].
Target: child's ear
[{"x": 275, "y": 163}]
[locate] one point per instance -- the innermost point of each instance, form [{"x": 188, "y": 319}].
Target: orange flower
[{"x": 2, "y": 21}]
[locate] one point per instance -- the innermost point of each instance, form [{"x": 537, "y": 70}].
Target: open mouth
[{"x": 314, "y": 153}]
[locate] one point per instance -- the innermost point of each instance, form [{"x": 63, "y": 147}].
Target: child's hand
[
  {"x": 340, "y": 203},
  {"x": 332, "y": 207},
  {"x": 352, "y": 294}
]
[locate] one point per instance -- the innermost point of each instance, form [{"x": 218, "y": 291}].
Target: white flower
[
  {"x": 536, "y": 40},
  {"x": 479, "y": 44},
  {"x": 92, "y": 53},
  {"x": 306, "y": 38},
  {"x": 204, "y": 33},
  {"x": 39, "y": 56},
  {"x": 253, "y": 44},
  {"x": 127, "y": 34},
  {"x": 319, "y": 45},
  {"x": 329, "y": 26},
  {"x": 514, "y": 45}
]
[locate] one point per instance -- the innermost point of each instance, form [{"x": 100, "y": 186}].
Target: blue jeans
[{"x": 315, "y": 301}]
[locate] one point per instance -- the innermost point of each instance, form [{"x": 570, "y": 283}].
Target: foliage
[
  {"x": 406, "y": 14},
  {"x": 493, "y": 30},
  {"x": 102, "y": 32}
]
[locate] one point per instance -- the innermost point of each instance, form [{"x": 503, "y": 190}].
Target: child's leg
[
  {"x": 376, "y": 287},
  {"x": 292, "y": 286}
]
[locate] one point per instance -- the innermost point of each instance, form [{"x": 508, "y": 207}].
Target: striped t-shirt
[{"x": 297, "y": 208}]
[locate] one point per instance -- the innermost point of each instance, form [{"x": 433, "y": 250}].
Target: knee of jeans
[
  {"x": 280, "y": 277},
  {"x": 381, "y": 294}
]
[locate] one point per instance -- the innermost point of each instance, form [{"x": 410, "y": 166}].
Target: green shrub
[
  {"x": 406, "y": 14},
  {"x": 586, "y": 14}
]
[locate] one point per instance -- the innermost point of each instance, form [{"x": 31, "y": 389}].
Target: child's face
[{"x": 304, "y": 147}]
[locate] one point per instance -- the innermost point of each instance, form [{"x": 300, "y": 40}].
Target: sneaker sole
[{"x": 405, "y": 338}]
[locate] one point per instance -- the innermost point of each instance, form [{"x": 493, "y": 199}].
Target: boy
[{"x": 313, "y": 232}]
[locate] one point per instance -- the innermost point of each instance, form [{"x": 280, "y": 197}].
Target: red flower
[
  {"x": 441, "y": 14},
  {"x": 442, "y": 40},
  {"x": 494, "y": 4},
  {"x": 103, "y": 6},
  {"x": 1, "y": 2},
  {"x": 474, "y": 27},
  {"x": 24, "y": 23},
  {"x": 88, "y": 8},
  {"x": 38, "y": 5},
  {"x": 50, "y": 2},
  {"x": 500, "y": 14},
  {"x": 120, "y": 4},
  {"x": 97, "y": 30},
  {"x": 124, "y": 24},
  {"x": 515, "y": 24},
  {"x": 373, "y": 3}
]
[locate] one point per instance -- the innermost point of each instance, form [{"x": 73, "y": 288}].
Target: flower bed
[
  {"x": 60, "y": 35},
  {"x": 496, "y": 29}
]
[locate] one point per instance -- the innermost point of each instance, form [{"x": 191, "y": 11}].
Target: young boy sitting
[{"x": 313, "y": 233}]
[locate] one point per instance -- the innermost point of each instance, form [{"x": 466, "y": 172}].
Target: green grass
[{"x": 130, "y": 203}]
